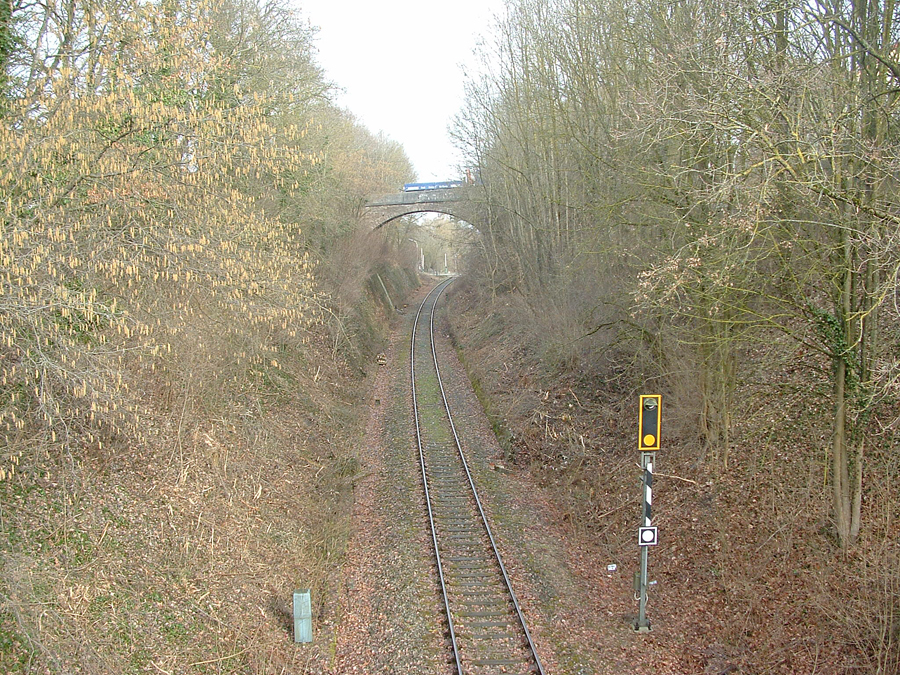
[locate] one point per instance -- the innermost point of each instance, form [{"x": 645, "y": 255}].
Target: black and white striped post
[{"x": 649, "y": 418}]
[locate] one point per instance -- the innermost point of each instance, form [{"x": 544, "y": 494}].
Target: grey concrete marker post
[{"x": 303, "y": 631}]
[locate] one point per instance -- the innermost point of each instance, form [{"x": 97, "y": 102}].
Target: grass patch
[{"x": 16, "y": 652}]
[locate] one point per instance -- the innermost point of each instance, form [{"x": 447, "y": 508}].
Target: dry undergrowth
[
  {"x": 176, "y": 422},
  {"x": 749, "y": 568},
  {"x": 180, "y": 554}
]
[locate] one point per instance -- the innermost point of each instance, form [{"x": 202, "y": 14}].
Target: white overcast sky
[{"x": 400, "y": 64}]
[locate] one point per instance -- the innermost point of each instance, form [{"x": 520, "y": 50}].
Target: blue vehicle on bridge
[{"x": 440, "y": 185}]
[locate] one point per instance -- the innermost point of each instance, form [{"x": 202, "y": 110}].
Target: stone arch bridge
[{"x": 460, "y": 202}]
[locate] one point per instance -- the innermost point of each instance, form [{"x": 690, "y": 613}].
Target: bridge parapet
[{"x": 440, "y": 196}]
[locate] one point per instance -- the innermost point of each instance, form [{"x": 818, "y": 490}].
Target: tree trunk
[
  {"x": 856, "y": 513},
  {"x": 839, "y": 477}
]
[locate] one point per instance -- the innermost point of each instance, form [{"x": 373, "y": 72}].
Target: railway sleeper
[
  {"x": 451, "y": 526},
  {"x": 505, "y": 613},
  {"x": 489, "y": 624},
  {"x": 480, "y": 565},
  {"x": 457, "y": 525},
  {"x": 477, "y": 588},
  {"x": 451, "y": 497},
  {"x": 492, "y": 590},
  {"x": 454, "y": 521},
  {"x": 493, "y": 636},
  {"x": 481, "y": 583},
  {"x": 474, "y": 566},
  {"x": 457, "y": 558},
  {"x": 484, "y": 614},
  {"x": 445, "y": 512},
  {"x": 501, "y": 661},
  {"x": 486, "y": 575},
  {"x": 484, "y": 603},
  {"x": 457, "y": 517}
]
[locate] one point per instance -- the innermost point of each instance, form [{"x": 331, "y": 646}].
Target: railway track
[{"x": 485, "y": 626}]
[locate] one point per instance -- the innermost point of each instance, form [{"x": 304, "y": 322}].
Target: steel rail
[
  {"x": 484, "y": 519},
  {"x": 437, "y": 292},
  {"x": 434, "y": 538}
]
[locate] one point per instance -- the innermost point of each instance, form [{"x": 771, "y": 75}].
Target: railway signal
[
  {"x": 649, "y": 419},
  {"x": 649, "y": 429}
]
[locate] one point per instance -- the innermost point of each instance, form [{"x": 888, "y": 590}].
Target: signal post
[{"x": 649, "y": 426}]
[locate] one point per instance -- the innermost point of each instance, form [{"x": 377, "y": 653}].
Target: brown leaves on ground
[{"x": 747, "y": 575}]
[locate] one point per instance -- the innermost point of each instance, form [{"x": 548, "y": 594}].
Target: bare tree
[{"x": 741, "y": 160}]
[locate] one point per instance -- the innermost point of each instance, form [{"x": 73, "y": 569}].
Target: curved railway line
[{"x": 484, "y": 622}]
